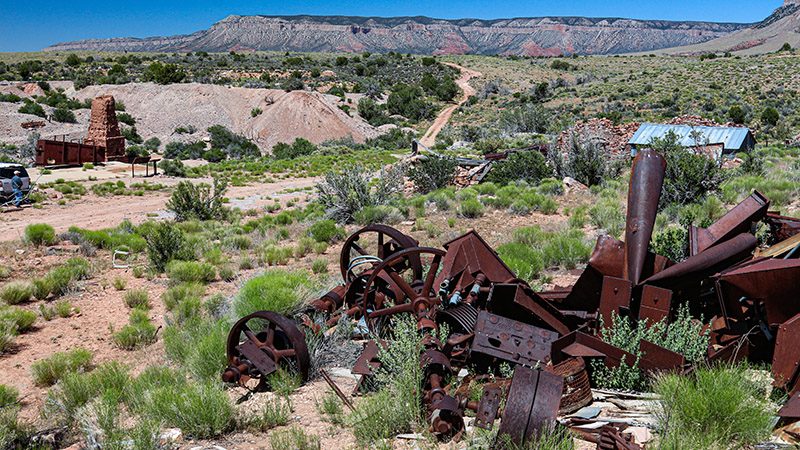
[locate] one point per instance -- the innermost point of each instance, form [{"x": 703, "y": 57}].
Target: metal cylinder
[{"x": 644, "y": 193}]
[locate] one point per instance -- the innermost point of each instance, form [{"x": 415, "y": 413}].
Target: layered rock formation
[{"x": 544, "y": 36}]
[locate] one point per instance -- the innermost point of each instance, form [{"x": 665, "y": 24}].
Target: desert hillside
[{"x": 160, "y": 109}]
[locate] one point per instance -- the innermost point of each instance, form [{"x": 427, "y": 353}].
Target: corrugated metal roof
[{"x": 732, "y": 138}]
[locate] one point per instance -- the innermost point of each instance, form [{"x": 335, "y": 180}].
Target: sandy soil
[
  {"x": 429, "y": 139},
  {"x": 95, "y": 212}
]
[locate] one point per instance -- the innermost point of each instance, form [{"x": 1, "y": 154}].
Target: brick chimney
[{"x": 104, "y": 128}]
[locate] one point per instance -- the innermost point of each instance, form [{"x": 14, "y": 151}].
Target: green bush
[
  {"x": 683, "y": 335},
  {"x": 319, "y": 266},
  {"x": 470, "y": 208},
  {"x": 672, "y": 242},
  {"x": 166, "y": 242},
  {"x": 198, "y": 201},
  {"x": 8, "y": 396},
  {"x": 139, "y": 332},
  {"x": 29, "y": 107},
  {"x": 326, "y": 231},
  {"x": 164, "y": 73},
  {"x": 76, "y": 389},
  {"x": 409, "y": 102},
  {"x": 343, "y": 194},
  {"x": 40, "y": 234},
  {"x": 47, "y": 372},
  {"x": 64, "y": 115},
  {"x": 529, "y": 118},
  {"x": 690, "y": 176},
  {"x": 137, "y": 298},
  {"x": 42, "y": 287},
  {"x": 21, "y": 320},
  {"x": 173, "y": 167},
  {"x": 608, "y": 214},
  {"x": 227, "y": 273},
  {"x": 276, "y": 290},
  {"x": 198, "y": 346},
  {"x": 432, "y": 173},
  {"x": 532, "y": 250},
  {"x": 385, "y": 214},
  {"x": 524, "y": 261},
  {"x": 300, "y": 147},
  {"x": 191, "y": 272},
  {"x": 714, "y": 407},
  {"x": 178, "y": 293},
  {"x": 589, "y": 161},
  {"x": 273, "y": 255},
  {"x": 16, "y": 292},
  {"x": 274, "y": 413},
  {"x": 395, "y": 408},
  {"x": 529, "y": 166}
]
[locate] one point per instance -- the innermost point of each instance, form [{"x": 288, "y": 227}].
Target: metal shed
[{"x": 732, "y": 139}]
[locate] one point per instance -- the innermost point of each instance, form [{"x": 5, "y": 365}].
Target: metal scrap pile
[{"x": 495, "y": 319}]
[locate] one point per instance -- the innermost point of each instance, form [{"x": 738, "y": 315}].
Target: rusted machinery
[{"x": 495, "y": 320}]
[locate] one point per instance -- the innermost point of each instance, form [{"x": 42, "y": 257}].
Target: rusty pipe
[
  {"x": 644, "y": 192},
  {"x": 703, "y": 265}
]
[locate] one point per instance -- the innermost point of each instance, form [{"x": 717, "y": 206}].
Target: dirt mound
[
  {"x": 309, "y": 115},
  {"x": 159, "y": 110}
]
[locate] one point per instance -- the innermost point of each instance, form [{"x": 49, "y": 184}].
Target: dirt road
[
  {"x": 441, "y": 120},
  {"x": 93, "y": 212}
]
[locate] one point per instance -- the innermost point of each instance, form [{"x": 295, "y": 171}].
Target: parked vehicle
[{"x": 6, "y": 173}]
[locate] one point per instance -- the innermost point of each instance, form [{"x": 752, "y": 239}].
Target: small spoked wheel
[{"x": 262, "y": 343}]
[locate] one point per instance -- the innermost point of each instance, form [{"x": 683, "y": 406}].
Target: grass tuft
[
  {"x": 16, "y": 292},
  {"x": 137, "y": 299},
  {"x": 47, "y": 372},
  {"x": 276, "y": 290},
  {"x": 714, "y": 407}
]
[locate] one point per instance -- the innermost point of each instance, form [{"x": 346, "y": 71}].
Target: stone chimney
[{"x": 104, "y": 128}]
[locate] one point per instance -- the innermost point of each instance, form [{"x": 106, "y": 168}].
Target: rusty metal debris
[{"x": 495, "y": 321}]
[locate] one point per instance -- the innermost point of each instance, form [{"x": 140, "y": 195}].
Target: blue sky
[{"x": 31, "y": 25}]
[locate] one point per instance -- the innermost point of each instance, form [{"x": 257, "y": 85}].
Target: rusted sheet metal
[
  {"x": 62, "y": 153},
  {"x": 511, "y": 341},
  {"x": 519, "y": 301},
  {"x": 644, "y": 192},
  {"x": 786, "y": 359},
  {"x": 531, "y": 405},
  {"x": 368, "y": 361},
  {"x": 655, "y": 305},
  {"x": 488, "y": 407},
  {"x": 690, "y": 272},
  {"x": 658, "y": 357},
  {"x": 607, "y": 260},
  {"x": 774, "y": 282},
  {"x": 738, "y": 220},
  {"x": 615, "y": 299},
  {"x": 782, "y": 227},
  {"x": 791, "y": 410},
  {"x": 578, "y": 344}
]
